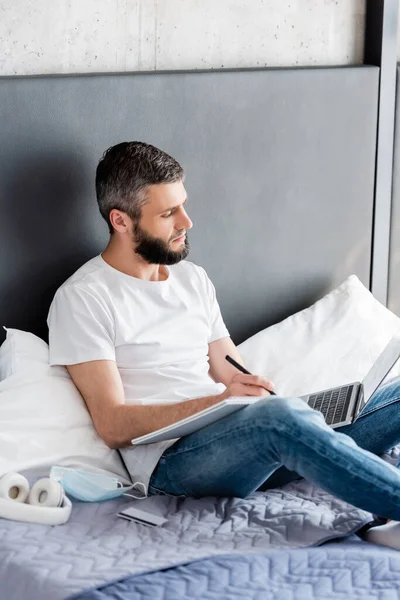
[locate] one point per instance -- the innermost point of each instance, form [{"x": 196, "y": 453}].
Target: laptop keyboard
[{"x": 333, "y": 404}]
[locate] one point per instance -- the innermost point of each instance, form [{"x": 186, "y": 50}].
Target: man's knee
[{"x": 274, "y": 410}]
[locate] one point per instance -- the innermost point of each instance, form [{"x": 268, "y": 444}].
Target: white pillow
[
  {"x": 25, "y": 353},
  {"x": 333, "y": 342},
  {"x": 43, "y": 418}
]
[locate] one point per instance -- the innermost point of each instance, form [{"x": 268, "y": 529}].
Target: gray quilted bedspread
[
  {"x": 95, "y": 547},
  {"x": 351, "y": 570}
]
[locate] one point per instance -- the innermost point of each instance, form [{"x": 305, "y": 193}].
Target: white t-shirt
[{"x": 157, "y": 332}]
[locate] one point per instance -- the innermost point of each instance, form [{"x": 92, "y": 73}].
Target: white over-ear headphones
[{"x": 46, "y": 503}]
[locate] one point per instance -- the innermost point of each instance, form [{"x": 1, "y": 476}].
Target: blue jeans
[{"x": 276, "y": 440}]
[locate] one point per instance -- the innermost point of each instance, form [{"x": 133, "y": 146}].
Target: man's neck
[{"x": 133, "y": 265}]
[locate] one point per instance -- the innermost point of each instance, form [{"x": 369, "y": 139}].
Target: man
[{"x": 140, "y": 331}]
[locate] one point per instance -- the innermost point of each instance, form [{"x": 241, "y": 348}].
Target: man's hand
[{"x": 248, "y": 385}]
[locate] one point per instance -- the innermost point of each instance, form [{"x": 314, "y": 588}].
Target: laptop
[{"x": 342, "y": 405}]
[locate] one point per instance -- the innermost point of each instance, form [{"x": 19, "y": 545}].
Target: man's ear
[{"x": 120, "y": 221}]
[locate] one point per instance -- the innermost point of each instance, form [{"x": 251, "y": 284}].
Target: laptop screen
[{"x": 381, "y": 367}]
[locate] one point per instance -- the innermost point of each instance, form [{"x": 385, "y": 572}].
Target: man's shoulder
[
  {"x": 86, "y": 287},
  {"x": 88, "y": 277}
]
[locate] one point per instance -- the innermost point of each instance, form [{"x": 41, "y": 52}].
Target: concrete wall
[{"x": 77, "y": 36}]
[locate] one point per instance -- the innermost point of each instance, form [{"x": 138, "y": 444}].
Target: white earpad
[
  {"x": 14, "y": 486},
  {"x": 46, "y": 492}
]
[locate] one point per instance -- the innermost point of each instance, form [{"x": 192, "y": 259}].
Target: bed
[{"x": 280, "y": 175}]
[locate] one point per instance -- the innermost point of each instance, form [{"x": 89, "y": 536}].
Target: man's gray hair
[{"x": 124, "y": 173}]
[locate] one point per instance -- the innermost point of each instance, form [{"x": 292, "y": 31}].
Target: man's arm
[
  {"x": 220, "y": 369},
  {"x": 99, "y": 382}
]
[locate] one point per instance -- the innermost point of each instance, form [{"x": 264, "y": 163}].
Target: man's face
[{"x": 164, "y": 219}]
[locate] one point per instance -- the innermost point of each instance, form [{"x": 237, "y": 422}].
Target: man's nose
[{"x": 186, "y": 222}]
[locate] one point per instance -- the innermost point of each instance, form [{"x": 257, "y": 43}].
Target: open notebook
[{"x": 198, "y": 421}]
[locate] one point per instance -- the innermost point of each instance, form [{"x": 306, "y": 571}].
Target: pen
[{"x": 235, "y": 364}]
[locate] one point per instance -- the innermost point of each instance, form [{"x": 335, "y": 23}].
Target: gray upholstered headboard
[{"x": 279, "y": 171}]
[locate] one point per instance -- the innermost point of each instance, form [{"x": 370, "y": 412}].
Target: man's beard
[{"x": 155, "y": 251}]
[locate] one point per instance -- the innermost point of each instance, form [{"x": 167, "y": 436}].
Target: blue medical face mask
[{"x": 88, "y": 487}]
